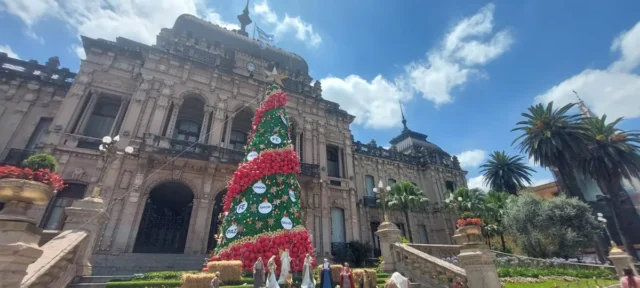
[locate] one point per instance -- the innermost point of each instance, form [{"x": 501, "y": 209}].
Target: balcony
[
  {"x": 369, "y": 201},
  {"x": 311, "y": 170},
  {"x": 15, "y": 157},
  {"x": 187, "y": 149}
]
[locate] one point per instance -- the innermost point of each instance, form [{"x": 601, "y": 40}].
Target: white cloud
[
  {"x": 303, "y": 30},
  {"x": 477, "y": 182},
  {"x": 376, "y": 104},
  {"x": 10, "y": 53},
  {"x": 79, "y": 51},
  {"x": 138, "y": 20},
  {"x": 470, "y": 44},
  {"x": 472, "y": 158},
  {"x": 612, "y": 91}
]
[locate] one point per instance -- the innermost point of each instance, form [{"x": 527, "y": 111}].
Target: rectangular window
[
  {"x": 54, "y": 215},
  {"x": 337, "y": 226},
  {"x": 376, "y": 240},
  {"x": 103, "y": 118},
  {"x": 450, "y": 186},
  {"x": 391, "y": 182},
  {"x": 38, "y": 133},
  {"x": 333, "y": 161},
  {"x": 422, "y": 233},
  {"x": 370, "y": 183}
]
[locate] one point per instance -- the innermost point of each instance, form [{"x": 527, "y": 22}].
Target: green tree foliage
[
  {"x": 555, "y": 227},
  {"x": 506, "y": 173},
  {"x": 404, "y": 196},
  {"x": 611, "y": 155},
  {"x": 40, "y": 161},
  {"x": 553, "y": 139},
  {"x": 465, "y": 200},
  {"x": 495, "y": 205}
]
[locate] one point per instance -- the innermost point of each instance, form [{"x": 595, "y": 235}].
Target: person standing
[
  {"x": 346, "y": 277},
  {"x": 258, "y": 273},
  {"x": 325, "y": 275},
  {"x": 629, "y": 280}
]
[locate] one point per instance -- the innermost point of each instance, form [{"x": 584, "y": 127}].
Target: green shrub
[
  {"x": 357, "y": 252},
  {"x": 40, "y": 161},
  {"x": 146, "y": 284},
  {"x": 467, "y": 215},
  {"x": 540, "y": 272},
  {"x": 404, "y": 240}
]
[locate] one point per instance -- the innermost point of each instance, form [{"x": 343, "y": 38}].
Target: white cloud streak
[
  {"x": 7, "y": 49},
  {"x": 472, "y": 158},
  {"x": 281, "y": 27}
]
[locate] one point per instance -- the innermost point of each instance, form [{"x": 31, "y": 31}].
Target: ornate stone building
[{"x": 185, "y": 104}]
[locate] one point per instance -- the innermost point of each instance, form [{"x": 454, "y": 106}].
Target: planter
[
  {"x": 470, "y": 234},
  {"x": 19, "y": 194}
]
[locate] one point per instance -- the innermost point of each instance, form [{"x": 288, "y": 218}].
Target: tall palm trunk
[
  {"x": 571, "y": 187},
  {"x": 406, "y": 217},
  {"x": 613, "y": 189}
]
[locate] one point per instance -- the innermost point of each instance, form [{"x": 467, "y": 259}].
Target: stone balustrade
[
  {"x": 437, "y": 250},
  {"x": 59, "y": 263},
  {"x": 426, "y": 269}
]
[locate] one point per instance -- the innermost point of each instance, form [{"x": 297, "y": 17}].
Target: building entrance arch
[{"x": 215, "y": 220}]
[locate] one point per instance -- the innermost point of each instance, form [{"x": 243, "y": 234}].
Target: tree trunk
[
  {"x": 504, "y": 246},
  {"x": 569, "y": 180},
  {"x": 406, "y": 216},
  {"x": 613, "y": 189}
]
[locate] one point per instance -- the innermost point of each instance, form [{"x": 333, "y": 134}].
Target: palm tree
[
  {"x": 405, "y": 196},
  {"x": 554, "y": 140},
  {"x": 506, "y": 173},
  {"x": 612, "y": 154},
  {"x": 495, "y": 203},
  {"x": 465, "y": 200}
]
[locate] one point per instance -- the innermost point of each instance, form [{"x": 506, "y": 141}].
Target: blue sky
[{"x": 464, "y": 70}]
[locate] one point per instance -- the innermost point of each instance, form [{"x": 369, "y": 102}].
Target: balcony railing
[
  {"x": 15, "y": 157},
  {"x": 369, "y": 201},
  {"x": 311, "y": 170}
]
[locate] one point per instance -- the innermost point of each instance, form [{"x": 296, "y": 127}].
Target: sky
[{"x": 464, "y": 71}]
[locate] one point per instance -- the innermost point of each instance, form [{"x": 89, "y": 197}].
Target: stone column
[
  {"x": 307, "y": 148},
  {"x": 217, "y": 125},
  {"x": 86, "y": 214},
  {"x": 389, "y": 234},
  {"x": 134, "y": 110},
  {"x": 173, "y": 119},
  {"x": 476, "y": 258},
  {"x": 205, "y": 125},
  {"x": 69, "y": 109},
  {"x": 158, "y": 118},
  {"x": 621, "y": 260},
  {"x": 18, "y": 249}
]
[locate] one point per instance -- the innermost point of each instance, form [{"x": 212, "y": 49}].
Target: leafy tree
[
  {"x": 556, "y": 227},
  {"x": 554, "y": 139},
  {"x": 40, "y": 161},
  {"x": 612, "y": 154},
  {"x": 506, "y": 173},
  {"x": 465, "y": 200},
  {"x": 405, "y": 196},
  {"x": 495, "y": 205}
]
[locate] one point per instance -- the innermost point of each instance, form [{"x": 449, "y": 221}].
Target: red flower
[
  {"x": 42, "y": 175},
  {"x": 469, "y": 222}
]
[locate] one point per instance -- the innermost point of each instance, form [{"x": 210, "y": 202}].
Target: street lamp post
[
  {"x": 603, "y": 222},
  {"x": 382, "y": 191},
  {"x": 108, "y": 151}
]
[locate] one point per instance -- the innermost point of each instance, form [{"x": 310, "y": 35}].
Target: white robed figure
[
  {"x": 397, "y": 281},
  {"x": 285, "y": 268},
  {"x": 272, "y": 282},
  {"x": 307, "y": 273}
]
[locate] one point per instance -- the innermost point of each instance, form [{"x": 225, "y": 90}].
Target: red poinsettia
[
  {"x": 469, "y": 222},
  {"x": 41, "y": 175}
]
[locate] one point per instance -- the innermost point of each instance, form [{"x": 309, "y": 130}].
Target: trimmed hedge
[{"x": 538, "y": 272}]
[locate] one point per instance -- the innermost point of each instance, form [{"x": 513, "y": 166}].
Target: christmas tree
[{"x": 261, "y": 212}]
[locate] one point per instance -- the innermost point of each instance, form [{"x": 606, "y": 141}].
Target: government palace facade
[{"x": 185, "y": 105}]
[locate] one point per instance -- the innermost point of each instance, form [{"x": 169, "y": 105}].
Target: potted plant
[
  {"x": 469, "y": 228},
  {"x": 21, "y": 187}
]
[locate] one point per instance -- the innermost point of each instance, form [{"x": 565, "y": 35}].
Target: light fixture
[
  {"x": 388, "y": 188},
  {"x": 380, "y": 184},
  {"x": 375, "y": 190},
  {"x": 128, "y": 149},
  {"x": 101, "y": 147},
  {"x": 106, "y": 140},
  {"x": 599, "y": 215},
  {"x": 116, "y": 139}
]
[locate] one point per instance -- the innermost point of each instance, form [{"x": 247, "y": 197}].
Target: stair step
[{"x": 86, "y": 285}]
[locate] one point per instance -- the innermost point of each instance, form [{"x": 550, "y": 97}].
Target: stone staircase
[
  {"x": 96, "y": 281},
  {"x": 133, "y": 263}
]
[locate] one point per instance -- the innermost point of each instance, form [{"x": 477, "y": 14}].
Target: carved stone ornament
[
  {"x": 77, "y": 173},
  {"x": 177, "y": 174}
]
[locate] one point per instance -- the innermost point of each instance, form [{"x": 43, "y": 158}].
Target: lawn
[{"x": 555, "y": 283}]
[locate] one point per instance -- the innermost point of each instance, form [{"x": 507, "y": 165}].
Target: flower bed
[{"x": 469, "y": 222}]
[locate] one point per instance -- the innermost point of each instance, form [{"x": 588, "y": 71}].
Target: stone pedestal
[
  {"x": 388, "y": 234},
  {"x": 621, "y": 260},
  {"x": 18, "y": 249},
  {"x": 476, "y": 258},
  {"x": 87, "y": 214}
]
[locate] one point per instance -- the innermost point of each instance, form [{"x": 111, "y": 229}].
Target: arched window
[
  {"x": 422, "y": 233},
  {"x": 450, "y": 186},
  {"x": 370, "y": 183},
  {"x": 338, "y": 233},
  {"x": 391, "y": 182},
  {"x": 189, "y": 121},
  {"x": 54, "y": 217},
  {"x": 240, "y": 129}
]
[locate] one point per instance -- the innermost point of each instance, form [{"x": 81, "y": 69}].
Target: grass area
[
  {"x": 540, "y": 272},
  {"x": 562, "y": 284}
]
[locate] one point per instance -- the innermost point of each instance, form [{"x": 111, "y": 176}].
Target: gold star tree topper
[{"x": 274, "y": 77}]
